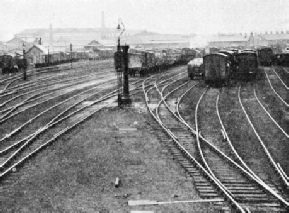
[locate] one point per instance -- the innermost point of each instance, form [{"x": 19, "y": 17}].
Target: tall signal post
[{"x": 121, "y": 65}]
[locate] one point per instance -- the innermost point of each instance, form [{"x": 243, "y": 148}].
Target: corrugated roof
[
  {"x": 228, "y": 38},
  {"x": 275, "y": 36}
]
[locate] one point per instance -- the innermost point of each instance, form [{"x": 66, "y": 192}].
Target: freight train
[
  {"x": 57, "y": 58},
  {"x": 219, "y": 68},
  {"x": 142, "y": 62}
]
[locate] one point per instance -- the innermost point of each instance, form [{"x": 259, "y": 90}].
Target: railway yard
[{"x": 66, "y": 146}]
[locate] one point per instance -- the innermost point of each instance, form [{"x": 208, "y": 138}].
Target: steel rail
[
  {"x": 246, "y": 170},
  {"x": 282, "y": 130},
  {"x": 280, "y": 79},
  {"x": 272, "y": 161},
  {"x": 285, "y": 70},
  {"x": 281, "y": 99}
]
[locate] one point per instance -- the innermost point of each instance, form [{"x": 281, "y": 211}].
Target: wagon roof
[
  {"x": 216, "y": 54},
  {"x": 247, "y": 53}
]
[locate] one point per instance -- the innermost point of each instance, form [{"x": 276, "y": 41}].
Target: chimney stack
[
  {"x": 102, "y": 20},
  {"x": 50, "y": 38}
]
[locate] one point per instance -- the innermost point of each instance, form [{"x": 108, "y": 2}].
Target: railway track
[
  {"x": 180, "y": 145},
  {"x": 282, "y": 92},
  {"x": 25, "y": 130},
  {"x": 281, "y": 80},
  {"x": 33, "y": 103},
  {"x": 246, "y": 188},
  {"x": 15, "y": 101},
  {"x": 54, "y": 70},
  {"x": 234, "y": 191},
  {"x": 266, "y": 135},
  {"x": 14, "y": 155}
]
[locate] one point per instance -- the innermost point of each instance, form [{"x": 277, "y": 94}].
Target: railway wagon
[
  {"x": 247, "y": 65},
  {"x": 232, "y": 57},
  {"x": 135, "y": 63},
  {"x": 187, "y": 55},
  {"x": 282, "y": 59},
  {"x": 217, "y": 69},
  {"x": 195, "y": 68},
  {"x": 265, "y": 56}
]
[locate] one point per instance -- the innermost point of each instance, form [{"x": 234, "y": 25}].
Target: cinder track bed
[{"x": 243, "y": 138}]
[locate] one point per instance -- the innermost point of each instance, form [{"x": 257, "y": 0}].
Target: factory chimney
[
  {"x": 102, "y": 20},
  {"x": 50, "y": 38}
]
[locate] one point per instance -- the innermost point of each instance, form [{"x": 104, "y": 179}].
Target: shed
[{"x": 36, "y": 54}]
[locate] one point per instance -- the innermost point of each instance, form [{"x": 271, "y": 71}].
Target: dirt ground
[{"x": 78, "y": 172}]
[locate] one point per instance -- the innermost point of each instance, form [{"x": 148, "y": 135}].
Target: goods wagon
[
  {"x": 195, "y": 68},
  {"x": 187, "y": 55},
  {"x": 247, "y": 65},
  {"x": 265, "y": 56},
  {"x": 217, "y": 69},
  {"x": 135, "y": 63}
]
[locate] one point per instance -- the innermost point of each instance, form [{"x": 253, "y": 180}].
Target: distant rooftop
[{"x": 228, "y": 38}]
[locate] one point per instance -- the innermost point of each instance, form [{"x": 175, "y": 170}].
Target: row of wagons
[{"x": 219, "y": 68}]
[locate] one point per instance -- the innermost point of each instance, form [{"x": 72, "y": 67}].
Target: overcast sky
[{"x": 172, "y": 16}]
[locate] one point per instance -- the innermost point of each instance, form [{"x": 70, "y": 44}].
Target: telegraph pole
[
  {"x": 126, "y": 96},
  {"x": 70, "y": 56},
  {"x": 24, "y": 64},
  {"x": 48, "y": 57}
]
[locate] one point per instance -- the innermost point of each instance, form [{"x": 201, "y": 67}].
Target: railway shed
[{"x": 37, "y": 53}]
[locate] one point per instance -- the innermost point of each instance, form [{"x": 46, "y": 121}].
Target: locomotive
[
  {"x": 10, "y": 63},
  {"x": 196, "y": 68},
  {"x": 147, "y": 61}
]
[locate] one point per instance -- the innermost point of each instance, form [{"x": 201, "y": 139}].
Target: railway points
[{"x": 202, "y": 128}]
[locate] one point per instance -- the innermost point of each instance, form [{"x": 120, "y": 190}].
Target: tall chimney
[
  {"x": 102, "y": 20},
  {"x": 50, "y": 38}
]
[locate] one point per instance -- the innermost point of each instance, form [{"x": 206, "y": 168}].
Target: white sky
[{"x": 172, "y": 16}]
